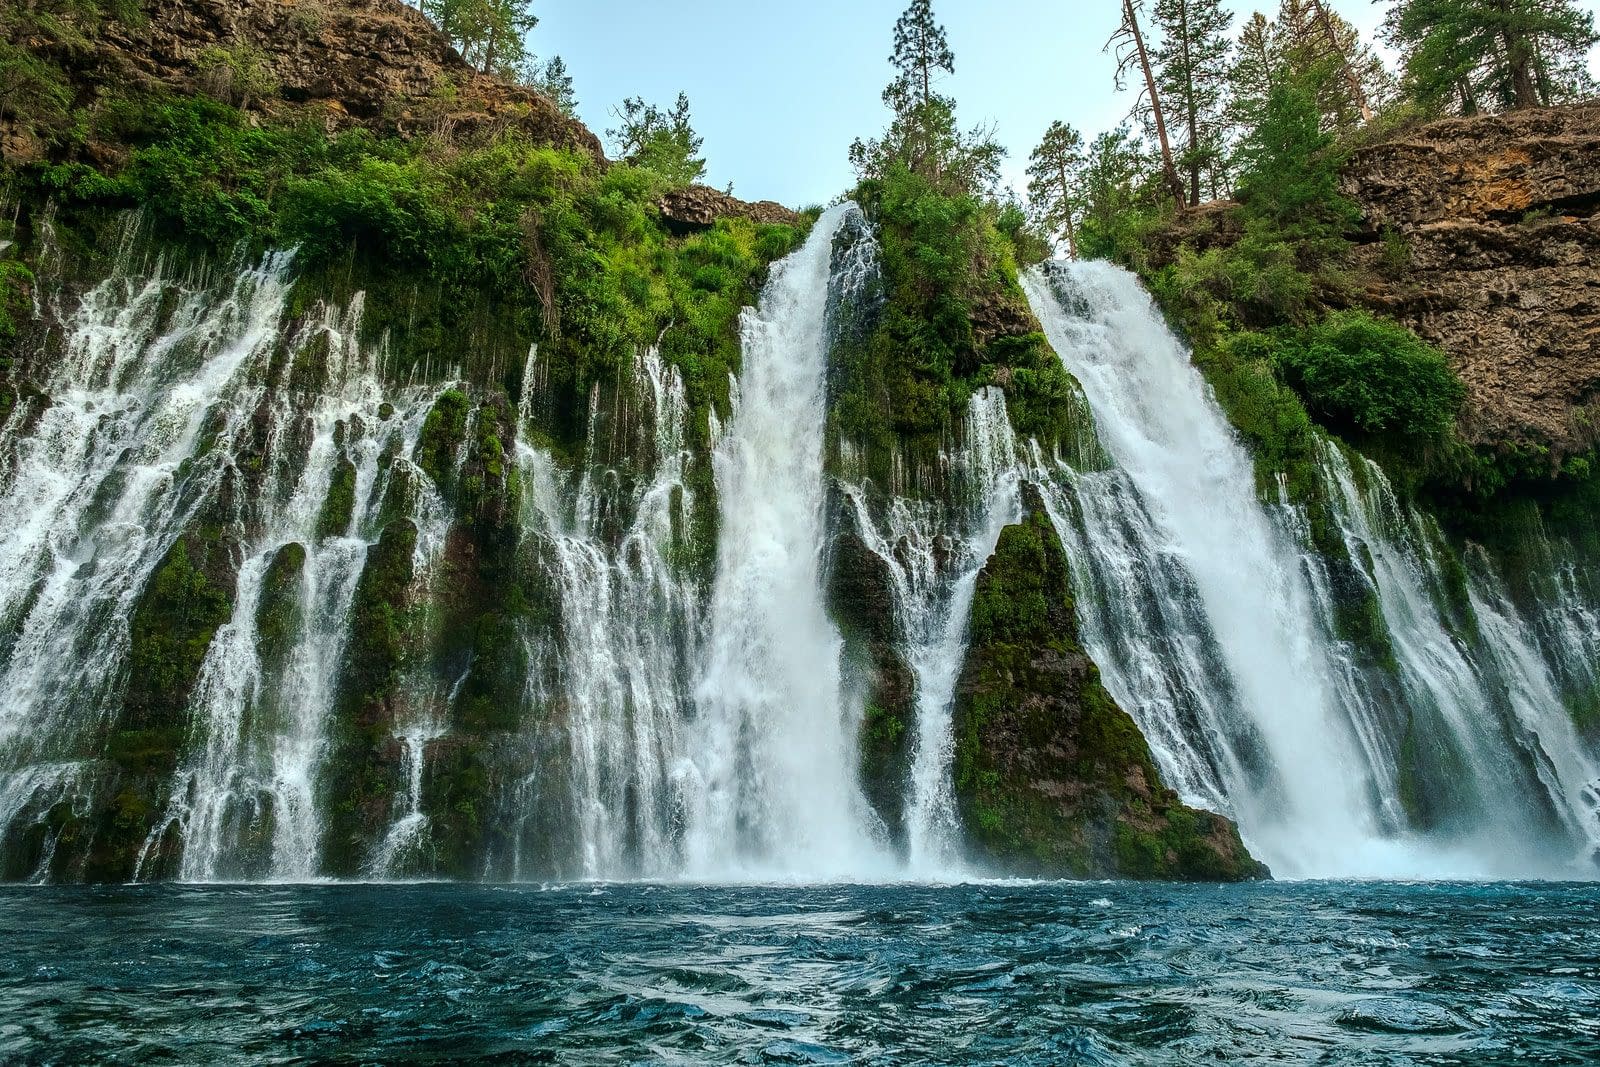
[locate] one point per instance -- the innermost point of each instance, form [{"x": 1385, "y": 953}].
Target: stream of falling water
[
  {"x": 933, "y": 554},
  {"x": 773, "y": 785},
  {"x": 95, "y": 486},
  {"x": 628, "y": 622},
  {"x": 1211, "y": 620}
]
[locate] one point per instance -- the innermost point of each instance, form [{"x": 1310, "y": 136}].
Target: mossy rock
[
  {"x": 1052, "y": 778},
  {"x": 861, "y": 599},
  {"x": 339, "y": 507},
  {"x": 362, "y": 773},
  {"x": 188, "y": 597},
  {"x": 278, "y": 609},
  {"x": 444, "y": 431}
]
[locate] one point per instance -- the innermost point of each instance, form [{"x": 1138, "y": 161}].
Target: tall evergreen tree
[
  {"x": 1115, "y": 186},
  {"x": 923, "y": 136},
  {"x": 1193, "y": 73},
  {"x": 1053, "y": 169},
  {"x": 1473, "y": 54},
  {"x": 1131, "y": 51},
  {"x": 922, "y": 53},
  {"x": 1257, "y": 69},
  {"x": 1326, "y": 53}
]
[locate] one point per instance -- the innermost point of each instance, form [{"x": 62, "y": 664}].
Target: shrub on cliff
[{"x": 1372, "y": 376}]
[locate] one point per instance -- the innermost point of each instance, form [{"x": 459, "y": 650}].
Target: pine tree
[
  {"x": 658, "y": 140},
  {"x": 1131, "y": 50},
  {"x": 923, "y": 136},
  {"x": 1485, "y": 53},
  {"x": 1257, "y": 70},
  {"x": 1193, "y": 73},
  {"x": 490, "y": 34},
  {"x": 554, "y": 82},
  {"x": 1053, "y": 169},
  {"x": 1324, "y": 51},
  {"x": 921, "y": 53},
  {"x": 1114, "y": 188}
]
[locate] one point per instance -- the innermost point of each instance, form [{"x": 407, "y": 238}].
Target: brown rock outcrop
[
  {"x": 1495, "y": 223},
  {"x": 378, "y": 63},
  {"x": 698, "y": 207}
]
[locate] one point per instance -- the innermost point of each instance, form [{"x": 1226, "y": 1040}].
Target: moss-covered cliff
[{"x": 1053, "y": 778}]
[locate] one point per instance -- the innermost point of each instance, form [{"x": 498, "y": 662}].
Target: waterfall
[
  {"x": 772, "y": 767},
  {"x": 628, "y": 623},
  {"x": 96, "y": 484},
  {"x": 1210, "y": 615},
  {"x": 933, "y": 554}
]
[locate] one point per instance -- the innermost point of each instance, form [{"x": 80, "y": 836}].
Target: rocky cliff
[
  {"x": 378, "y": 63},
  {"x": 1484, "y": 237},
  {"x": 1053, "y": 778}
]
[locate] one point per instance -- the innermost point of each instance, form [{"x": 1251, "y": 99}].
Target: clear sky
[{"x": 779, "y": 89}]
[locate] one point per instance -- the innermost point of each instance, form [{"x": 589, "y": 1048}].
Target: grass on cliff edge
[{"x": 546, "y": 244}]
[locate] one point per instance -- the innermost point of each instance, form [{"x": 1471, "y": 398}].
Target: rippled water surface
[{"x": 1035, "y": 973}]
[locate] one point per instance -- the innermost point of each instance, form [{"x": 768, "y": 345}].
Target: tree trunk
[
  {"x": 1521, "y": 63},
  {"x": 1169, "y": 171},
  {"x": 1066, "y": 212},
  {"x": 1190, "y": 106},
  {"x": 1357, "y": 93}
]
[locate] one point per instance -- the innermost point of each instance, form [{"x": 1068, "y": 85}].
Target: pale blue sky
[{"x": 779, "y": 90}]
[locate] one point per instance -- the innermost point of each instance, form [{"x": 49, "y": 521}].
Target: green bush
[{"x": 1376, "y": 377}]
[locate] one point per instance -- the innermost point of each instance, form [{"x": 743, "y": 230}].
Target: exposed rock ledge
[
  {"x": 378, "y": 63},
  {"x": 696, "y": 207},
  {"x": 1498, "y": 218}
]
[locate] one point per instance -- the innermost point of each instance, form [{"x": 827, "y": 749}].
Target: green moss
[
  {"x": 952, "y": 319},
  {"x": 278, "y": 612},
  {"x": 172, "y": 627},
  {"x": 456, "y": 796},
  {"x": 339, "y": 507},
  {"x": 444, "y": 431},
  {"x": 16, "y": 301},
  {"x": 361, "y": 776},
  {"x": 1051, "y": 775}
]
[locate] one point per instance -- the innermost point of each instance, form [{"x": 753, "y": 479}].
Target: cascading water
[
  {"x": 1211, "y": 621},
  {"x": 627, "y": 623},
  {"x": 771, "y": 774},
  {"x": 245, "y": 804},
  {"x": 97, "y": 484},
  {"x": 933, "y": 555}
]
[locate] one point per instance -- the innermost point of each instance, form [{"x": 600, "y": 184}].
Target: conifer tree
[
  {"x": 490, "y": 34},
  {"x": 1053, "y": 182},
  {"x": 660, "y": 140},
  {"x": 923, "y": 136},
  {"x": 1131, "y": 51},
  {"x": 1483, "y": 53},
  {"x": 1345, "y": 76},
  {"x": 1193, "y": 74},
  {"x": 921, "y": 53},
  {"x": 1257, "y": 69},
  {"x": 554, "y": 82}
]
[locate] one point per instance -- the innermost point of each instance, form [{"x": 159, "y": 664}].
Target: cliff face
[
  {"x": 377, "y": 63},
  {"x": 1485, "y": 235}
]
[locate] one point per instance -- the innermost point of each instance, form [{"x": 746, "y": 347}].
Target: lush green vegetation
[
  {"x": 952, "y": 317},
  {"x": 541, "y": 242}
]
